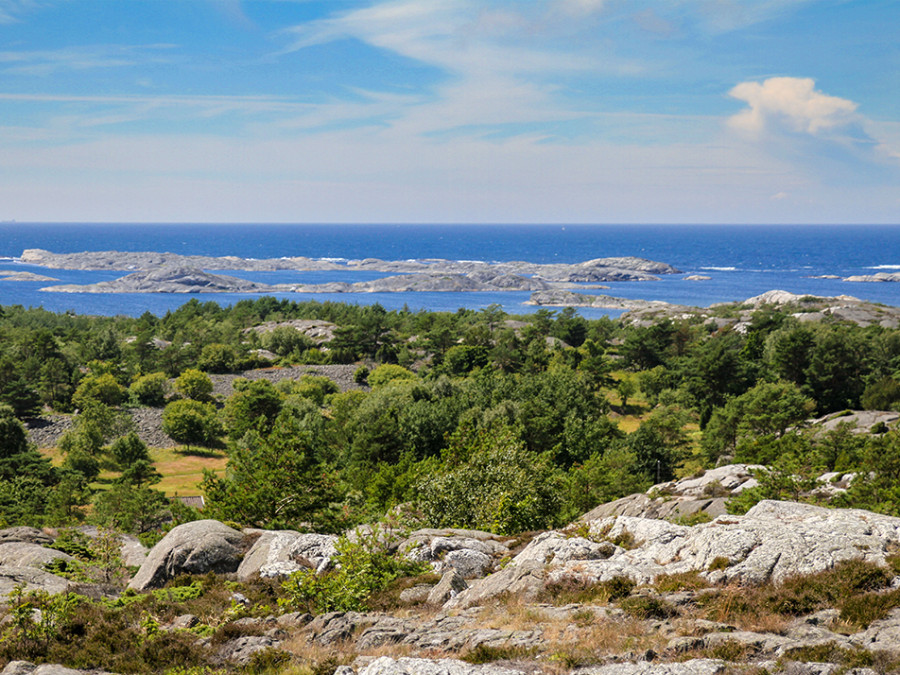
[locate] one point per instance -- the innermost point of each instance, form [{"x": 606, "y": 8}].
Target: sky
[{"x": 450, "y": 111}]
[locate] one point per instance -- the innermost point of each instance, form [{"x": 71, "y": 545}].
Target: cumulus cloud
[
  {"x": 791, "y": 103},
  {"x": 789, "y": 118}
]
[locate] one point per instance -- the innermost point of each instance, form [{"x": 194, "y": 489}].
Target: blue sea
[{"x": 742, "y": 261}]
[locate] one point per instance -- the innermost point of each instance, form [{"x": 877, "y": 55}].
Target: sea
[{"x": 740, "y": 261}]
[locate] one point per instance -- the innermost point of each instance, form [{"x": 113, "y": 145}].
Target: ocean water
[{"x": 742, "y": 261}]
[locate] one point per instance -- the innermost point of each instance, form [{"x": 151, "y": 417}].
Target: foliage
[
  {"x": 150, "y": 389},
  {"x": 192, "y": 423},
  {"x": 254, "y": 405},
  {"x": 491, "y": 482},
  {"x": 387, "y": 373},
  {"x": 274, "y": 479},
  {"x": 360, "y": 569},
  {"x": 194, "y": 384},
  {"x": 102, "y": 388}
]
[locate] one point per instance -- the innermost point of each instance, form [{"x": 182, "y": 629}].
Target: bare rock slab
[
  {"x": 409, "y": 666},
  {"x": 693, "y": 667},
  {"x": 32, "y": 578}
]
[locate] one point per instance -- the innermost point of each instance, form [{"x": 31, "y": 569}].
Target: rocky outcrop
[
  {"x": 680, "y": 499},
  {"x": 773, "y": 541},
  {"x": 859, "y": 421},
  {"x": 24, "y": 276},
  {"x": 22, "y": 554},
  {"x": 167, "y": 280},
  {"x": 410, "y": 666},
  {"x": 32, "y": 579},
  {"x": 563, "y": 298},
  {"x": 28, "y": 668},
  {"x": 279, "y": 553},
  {"x": 30, "y": 535},
  {"x": 318, "y": 331},
  {"x": 629, "y": 268},
  {"x": 804, "y": 308},
  {"x": 878, "y": 277},
  {"x": 193, "y": 548}
]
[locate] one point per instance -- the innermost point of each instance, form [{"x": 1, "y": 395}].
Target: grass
[
  {"x": 181, "y": 468},
  {"x": 182, "y": 471}
]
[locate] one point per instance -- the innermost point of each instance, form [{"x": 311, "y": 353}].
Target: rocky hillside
[{"x": 785, "y": 588}]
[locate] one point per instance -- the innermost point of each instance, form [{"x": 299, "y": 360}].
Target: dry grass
[{"x": 181, "y": 468}]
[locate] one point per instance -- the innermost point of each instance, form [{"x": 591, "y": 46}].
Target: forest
[{"x": 473, "y": 419}]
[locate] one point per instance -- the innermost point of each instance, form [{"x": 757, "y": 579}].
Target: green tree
[
  {"x": 194, "y": 384},
  {"x": 150, "y": 389},
  {"x": 102, "y": 388},
  {"x": 218, "y": 358},
  {"x": 491, "y": 482},
  {"x": 192, "y": 423},
  {"x": 274, "y": 479},
  {"x": 254, "y": 405}
]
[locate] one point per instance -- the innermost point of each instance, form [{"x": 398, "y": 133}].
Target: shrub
[
  {"x": 98, "y": 388},
  {"x": 388, "y": 372},
  {"x": 361, "y": 569},
  {"x": 647, "y": 607},
  {"x": 194, "y": 384},
  {"x": 192, "y": 423},
  {"x": 150, "y": 389}
]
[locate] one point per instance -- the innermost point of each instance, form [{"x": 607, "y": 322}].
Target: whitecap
[
  {"x": 883, "y": 267},
  {"x": 720, "y": 269}
]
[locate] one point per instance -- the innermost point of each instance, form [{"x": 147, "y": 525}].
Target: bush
[
  {"x": 498, "y": 485},
  {"x": 98, "y": 388},
  {"x": 194, "y": 384},
  {"x": 150, "y": 389},
  {"x": 361, "y": 569},
  {"x": 192, "y": 423},
  {"x": 388, "y": 372}
]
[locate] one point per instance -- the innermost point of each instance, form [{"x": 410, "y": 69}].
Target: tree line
[{"x": 473, "y": 418}]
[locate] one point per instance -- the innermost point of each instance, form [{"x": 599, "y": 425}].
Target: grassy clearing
[{"x": 181, "y": 468}]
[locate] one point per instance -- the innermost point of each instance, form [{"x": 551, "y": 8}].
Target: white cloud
[
  {"x": 790, "y": 103},
  {"x": 11, "y": 11},
  {"x": 46, "y": 62},
  {"x": 822, "y": 135},
  {"x": 580, "y": 8}
]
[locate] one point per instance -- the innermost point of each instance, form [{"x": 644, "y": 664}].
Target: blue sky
[{"x": 550, "y": 111}]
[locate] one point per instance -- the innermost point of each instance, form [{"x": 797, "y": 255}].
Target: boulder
[
  {"x": 279, "y": 553},
  {"x": 133, "y": 552},
  {"x": 468, "y": 563},
  {"x": 450, "y": 585},
  {"x": 241, "y": 650},
  {"x": 22, "y": 554},
  {"x": 193, "y": 548}
]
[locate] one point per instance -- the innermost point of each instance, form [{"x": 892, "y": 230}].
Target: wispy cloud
[
  {"x": 12, "y": 10},
  {"x": 48, "y": 62}
]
